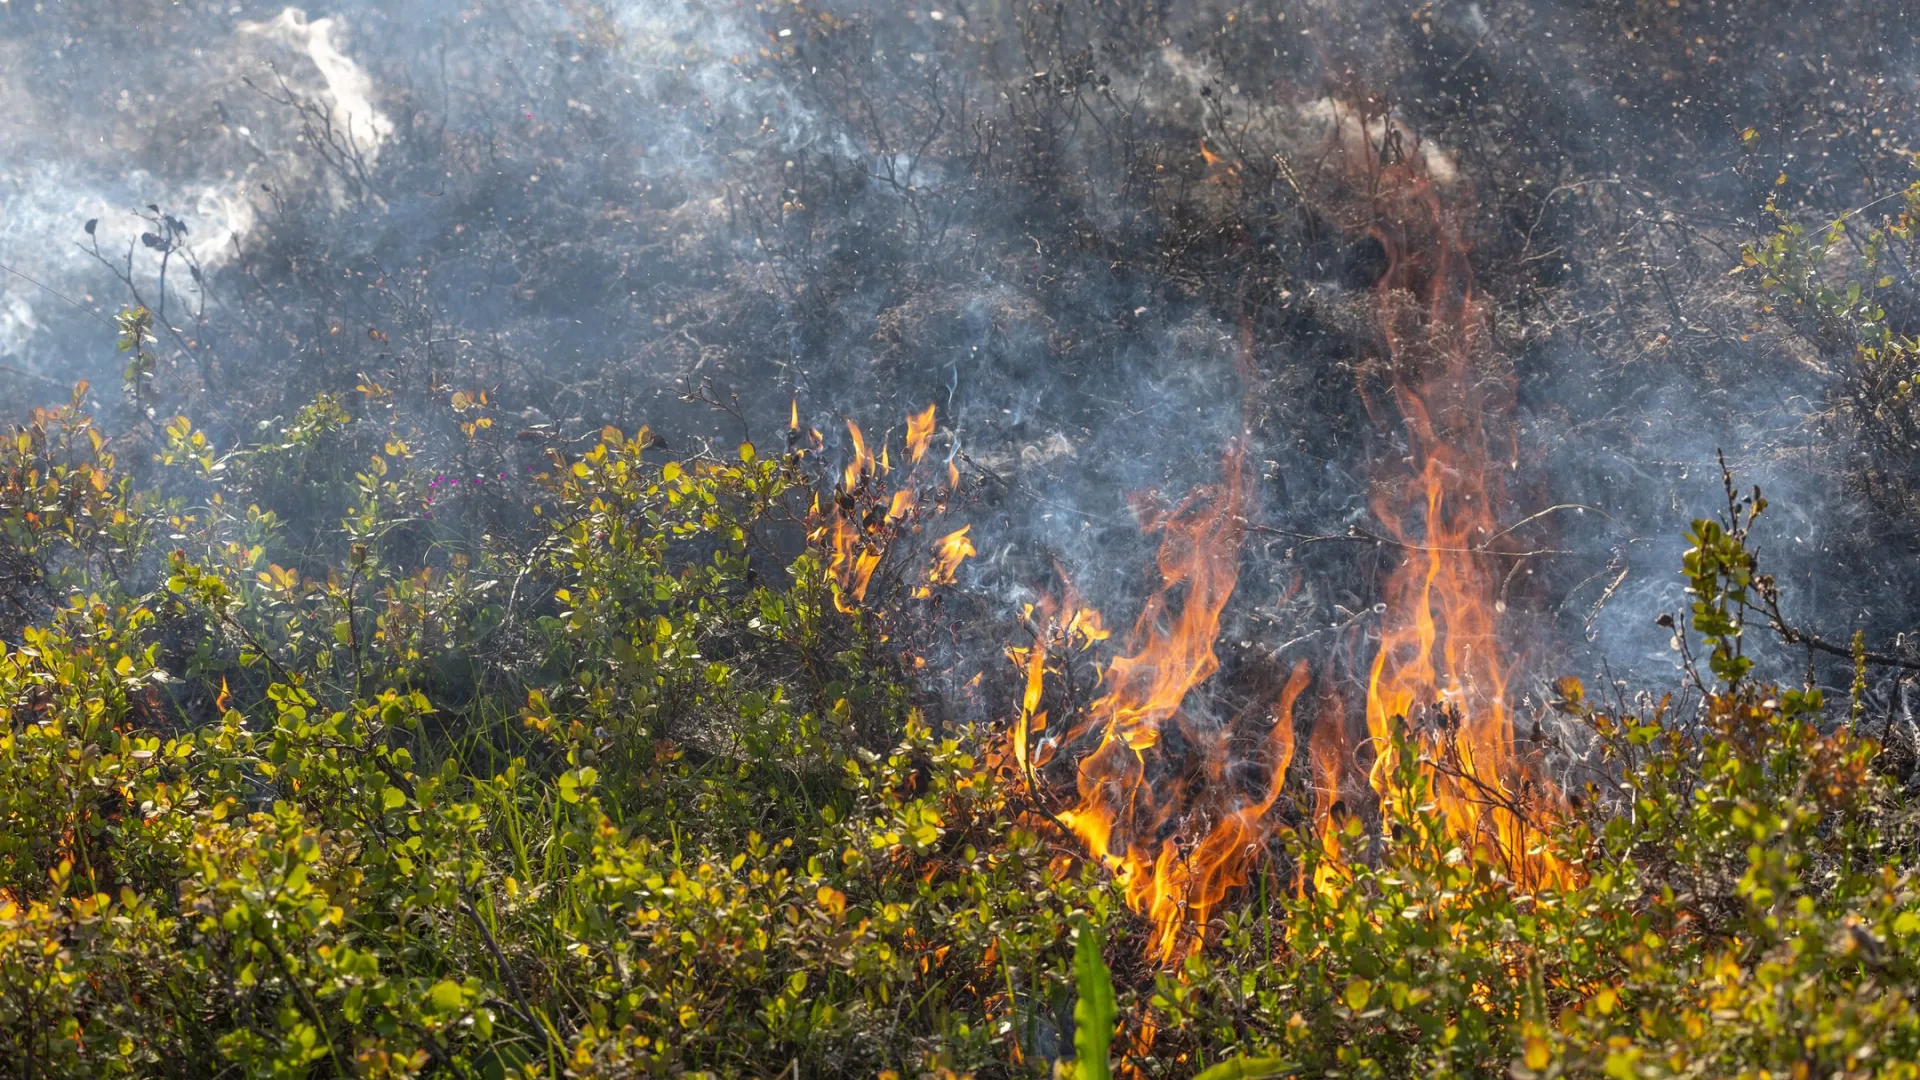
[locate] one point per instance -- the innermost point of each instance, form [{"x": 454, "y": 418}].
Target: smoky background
[{"x": 1104, "y": 238}]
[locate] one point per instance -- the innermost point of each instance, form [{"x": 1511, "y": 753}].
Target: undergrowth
[{"x": 580, "y": 767}]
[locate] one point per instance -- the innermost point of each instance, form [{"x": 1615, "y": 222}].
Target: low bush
[{"x": 591, "y": 768}]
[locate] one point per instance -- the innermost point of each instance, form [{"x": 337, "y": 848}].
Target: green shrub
[{"x": 606, "y": 783}]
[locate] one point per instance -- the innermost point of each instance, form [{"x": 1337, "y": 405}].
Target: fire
[
  {"x": 1219, "y": 170},
  {"x": 1440, "y": 674},
  {"x": 1175, "y": 827},
  {"x": 863, "y": 465},
  {"x": 1327, "y": 753},
  {"x": 947, "y": 555},
  {"x": 919, "y": 433},
  {"x": 858, "y": 525},
  {"x": 1177, "y": 841}
]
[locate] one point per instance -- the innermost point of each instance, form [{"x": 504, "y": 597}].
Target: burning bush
[
  {"x": 656, "y": 794},
  {"x": 1173, "y": 696}
]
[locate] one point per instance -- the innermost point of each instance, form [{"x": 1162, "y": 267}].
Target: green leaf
[
  {"x": 1245, "y": 1068},
  {"x": 446, "y": 995},
  {"x": 1093, "y": 1015},
  {"x": 392, "y": 799}
]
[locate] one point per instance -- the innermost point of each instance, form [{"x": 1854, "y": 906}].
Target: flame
[
  {"x": 862, "y": 464},
  {"x": 864, "y": 516},
  {"x": 901, "y": 504},
  {"x": 919, "y": 433},
  {"x": 1129, "y": 791},
  {"x": 947, "y": 555},
  {"x": 1176, "y": 829},
  {"x": 1066, "y": 627},
  {"x": 1199, "y": 559},
  {"x": 1219, "y": 170},
  {"x": 1327, "y": 754},
  {"x": 1440, "y": 674},
  {"x": 1033, "y": 719}
]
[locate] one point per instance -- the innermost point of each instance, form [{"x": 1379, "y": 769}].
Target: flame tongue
[
  {"x": 1199, "y": 558},
  {"x": 861, "y": 521},
  {"x": 1439, "y": 669},
  {"x": 1129, "y": 815},
  {"x": 1165, "y": 815}
]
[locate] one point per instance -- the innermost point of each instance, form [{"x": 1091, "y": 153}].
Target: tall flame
[
  {"x": 1439, "y": 676},
  {"x": 1176, "y": 839},
  {"x": 1176, "y": 829},
  {"x": 919, "y": 433}
]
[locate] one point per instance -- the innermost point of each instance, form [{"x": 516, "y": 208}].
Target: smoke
[
  {"x": 345, "y": 92},
  {"x": 202, "y": 134},
  {"x": 1105, "y": 239}
]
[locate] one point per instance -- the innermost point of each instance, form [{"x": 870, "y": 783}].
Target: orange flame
[
  {"x": 1327, "y": 754},
  {"x": 862, "y": 464},
  {"x": 1178, "y": 836},
  {"x": 919, "y": 433},
  {"x": 862, "y": 519},
  {"x": 1439, "y": 671},
  {"x": 1124, "y": 806},
  {"x": 947, "y": 555},
  {"x": 1219, "y": 170}
]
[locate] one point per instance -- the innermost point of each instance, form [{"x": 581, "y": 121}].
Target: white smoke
[
  {"x": 108, "y": 169},
  {"x": 344, "y": 88}
]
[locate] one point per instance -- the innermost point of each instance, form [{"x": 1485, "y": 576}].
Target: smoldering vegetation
[
  {"x": 959, "y": 538},
  {"x": 1103, "y": 237}
]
